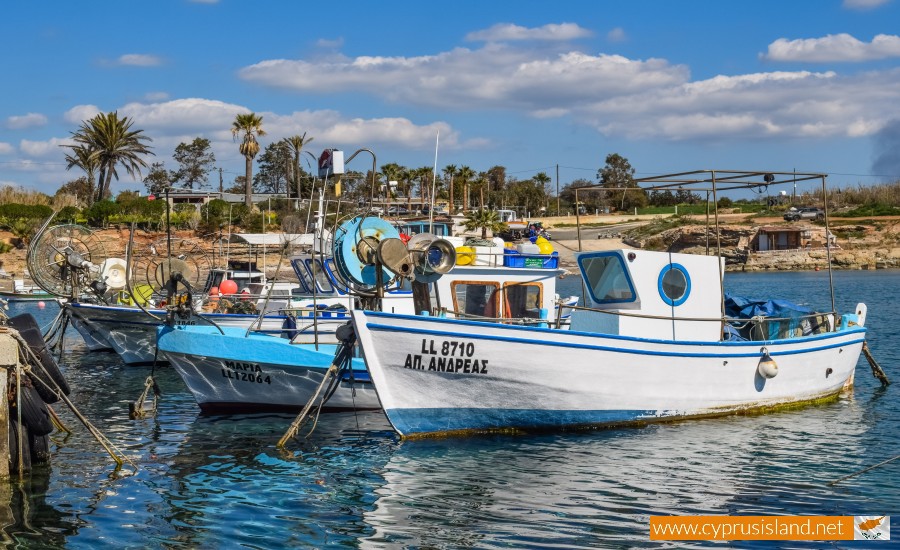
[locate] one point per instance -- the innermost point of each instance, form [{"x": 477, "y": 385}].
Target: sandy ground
[{"x": 568, "y": 248}]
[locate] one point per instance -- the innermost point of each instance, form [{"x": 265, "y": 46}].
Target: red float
[{"x": 228, "y": 287}]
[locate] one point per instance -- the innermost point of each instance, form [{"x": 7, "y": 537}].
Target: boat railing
[{"x": 757, "y": 328}]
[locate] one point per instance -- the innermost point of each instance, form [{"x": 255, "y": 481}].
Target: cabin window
[
  {"x": 303, "y": 276},
  {"x": 523, "y": 300},
  {"x": 674, "y": 284},
  {"x": 607, "y": 279},
  {"x": 479, "y": 298},
  {"x": 322, "y": 279}
]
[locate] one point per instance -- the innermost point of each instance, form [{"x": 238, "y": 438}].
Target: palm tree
[
  {"x": 391, "y": 173},
  {"x": 83, "y": 157},
  {"x": 484, "y": 219},
  {"x": 450, "y": 171},
  {"x": 542, "y": 179},
  {"x": 465, "y": 174},
  {"x": 250, "y": 125},
  {"x": 112, "y": 142},
  {"x": 295, "y": 144}
]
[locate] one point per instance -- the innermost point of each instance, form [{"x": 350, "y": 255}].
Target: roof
[
  {"x": 776, "y": 229},
  {"x": 270, "y": 239}
]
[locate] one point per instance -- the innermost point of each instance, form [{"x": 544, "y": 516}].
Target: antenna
[{"x": 437, "y": 141}]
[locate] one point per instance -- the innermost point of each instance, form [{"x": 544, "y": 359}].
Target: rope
[
  {"x": 107, "y": 445},
  {"x": 342, "y": 357},
  {"x": 864, "y": 470},
  {"x": 877, "y": 371}
]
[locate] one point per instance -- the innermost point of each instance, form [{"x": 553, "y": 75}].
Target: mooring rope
[
  {"x": 864, "y": 470},
  {"x": 118, "y": 456},
  {"x": 343, "y": 355},
  {"x": 877, "y": 371}
]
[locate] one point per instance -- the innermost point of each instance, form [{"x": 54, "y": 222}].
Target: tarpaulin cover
[{"x": 784, "y": 319}]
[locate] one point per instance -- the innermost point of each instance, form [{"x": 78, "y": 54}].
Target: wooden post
[{"x": 9, "y": 357}]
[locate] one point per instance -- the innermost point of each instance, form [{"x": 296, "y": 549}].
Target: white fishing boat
[
  {"x": 22, "y": 292},
  {"x": 130, "y": 331},
  {"x": 214, "y": 364},
  {"x": 654, "y": 344}
]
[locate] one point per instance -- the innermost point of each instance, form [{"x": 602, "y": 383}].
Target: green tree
[
  {"x": 449, "y": 172},
  {"x": 82, "y": 188},
  {"x": 248, "y": 126},
  {"x": 465, "y": 175},
  {"x": 195, "y": 161},
  {"x": 497, "y": 178},
  {"x": 112, "y": 142},
  {"x": 618, "y": 174},
  {"x": 157, "y": 179},
  {"x": 484, "y": 220},
  {"x": 82, "y": 156},
  {"x": 542, "y": 180},
  {"x": 100, "y": 212},
  {"x": 274, "y": 166},
  {"x": 295, "y": 145},
  {"x": 392, "y": 172}
]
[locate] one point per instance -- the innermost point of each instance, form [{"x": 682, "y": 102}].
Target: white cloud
[
  {"x": 506, "y": 32},
  {"x": 864, "y": 4},
  {"x": 616, "y": 35},
  {"x": 6, "y": 148},
  {"x": 139, "y": 60},
  {"x": 496, "y": 76},
  {"x": 29, "y": 120},
  {"x": 755, "y": 106},
  {"x": 834, "y": 47},
  {"x": 51, "y": 148},
  {"x": 80, "y": 113}
]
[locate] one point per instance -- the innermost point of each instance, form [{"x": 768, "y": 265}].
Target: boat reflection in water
[{"x": 598, "y": 489}]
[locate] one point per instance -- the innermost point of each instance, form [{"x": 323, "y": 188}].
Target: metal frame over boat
[{"x": 654, "y": 344}]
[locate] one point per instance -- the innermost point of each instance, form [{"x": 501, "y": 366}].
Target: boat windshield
[{"x": 607, "y": 279}]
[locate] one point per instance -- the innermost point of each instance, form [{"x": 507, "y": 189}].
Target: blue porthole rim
[{"x": 687, "y": 289}]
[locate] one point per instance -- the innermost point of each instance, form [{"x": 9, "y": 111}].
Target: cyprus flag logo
[{"x": 872, "y": 527}]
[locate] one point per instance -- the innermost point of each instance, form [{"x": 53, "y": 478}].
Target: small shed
[{"x": 780, "y": 238}]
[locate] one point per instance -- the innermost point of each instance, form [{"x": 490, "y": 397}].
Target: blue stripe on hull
[{"x": 433, "y": 421}]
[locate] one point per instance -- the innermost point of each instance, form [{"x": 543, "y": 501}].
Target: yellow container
[
  {"x": 544, "y": 245},
  {"x": 465, "y": 255}
]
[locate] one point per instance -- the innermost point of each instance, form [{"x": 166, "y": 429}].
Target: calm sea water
[{"x": 219, "y": 482}]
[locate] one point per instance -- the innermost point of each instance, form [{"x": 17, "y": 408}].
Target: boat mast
[{"x": 827, "y": 243}]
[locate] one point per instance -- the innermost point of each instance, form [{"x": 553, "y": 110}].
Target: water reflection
[{"x": 215, "y": 481}]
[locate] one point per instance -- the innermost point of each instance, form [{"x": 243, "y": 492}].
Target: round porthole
[{"x": 674, "y": 285}]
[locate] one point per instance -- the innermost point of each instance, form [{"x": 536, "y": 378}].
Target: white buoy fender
[{"x": 767, "y": 368}]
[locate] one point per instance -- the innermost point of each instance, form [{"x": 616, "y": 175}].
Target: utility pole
[
  {"x": 220, "y": 182},
  {"x": 557, "y": 189}
]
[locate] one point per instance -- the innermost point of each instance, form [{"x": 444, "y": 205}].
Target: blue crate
[{"x": 512, "y": 258}]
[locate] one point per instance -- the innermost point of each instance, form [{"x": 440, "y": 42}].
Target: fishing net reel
[
  {"x": 166, "y": 274},
  {"x": 66, "y": 260}
]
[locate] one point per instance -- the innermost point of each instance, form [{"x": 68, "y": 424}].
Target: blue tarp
[{"x": 791, "y": 315}]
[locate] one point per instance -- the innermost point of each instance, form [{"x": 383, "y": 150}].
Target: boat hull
[
  {"x": 26, "y": 296},
  {"x": 231, "y": 372},
  {"x": 440, "y": 376},
  {"x": 131, "y": 333}
]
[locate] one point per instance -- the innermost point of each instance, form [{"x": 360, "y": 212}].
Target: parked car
[
  {"x": 793, "y": 215},
  {"x": 398, "y": 211}
]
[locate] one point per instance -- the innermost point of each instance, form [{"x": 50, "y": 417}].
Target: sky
[{"x": 811, "y": 86}]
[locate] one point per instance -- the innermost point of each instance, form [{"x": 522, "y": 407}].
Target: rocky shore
[{"x": 872, "y": 244}]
